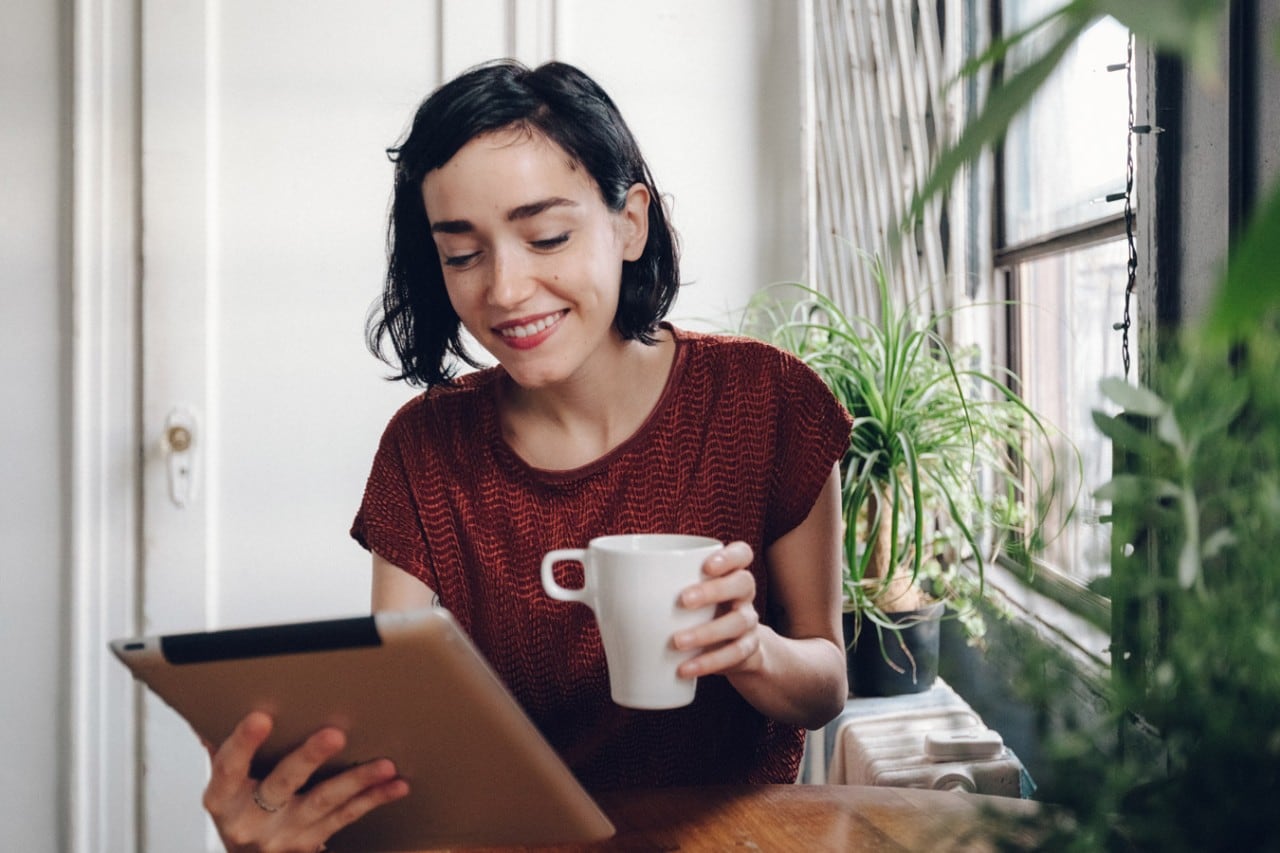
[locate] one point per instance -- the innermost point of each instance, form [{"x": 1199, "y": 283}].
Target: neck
[{"x": 575, "y": 422}]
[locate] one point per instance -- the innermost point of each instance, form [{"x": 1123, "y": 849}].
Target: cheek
[
  {"x": 457, "y": 295},
  {"x": 609, "y": 253}
]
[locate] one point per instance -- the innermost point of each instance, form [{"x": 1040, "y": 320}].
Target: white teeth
[{"x": 529, "y": 328}]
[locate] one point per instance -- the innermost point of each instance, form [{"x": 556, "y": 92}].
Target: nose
[{"x": 510, "y": 280}]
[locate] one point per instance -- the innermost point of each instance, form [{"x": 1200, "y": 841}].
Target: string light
[{"x": 1132, "y": 281}]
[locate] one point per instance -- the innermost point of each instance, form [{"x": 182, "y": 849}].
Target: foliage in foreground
[{"x": 1200, "y": 508}]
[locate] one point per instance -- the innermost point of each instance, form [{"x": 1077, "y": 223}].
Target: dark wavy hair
[{"x": 567, "y": 107}]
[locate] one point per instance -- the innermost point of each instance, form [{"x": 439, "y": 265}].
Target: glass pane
[
  {"x": 1068, "y": 305},
  {"x": 1066, "y": 153}
]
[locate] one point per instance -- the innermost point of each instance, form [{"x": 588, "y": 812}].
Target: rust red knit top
[{"x": 738, "y": 447}]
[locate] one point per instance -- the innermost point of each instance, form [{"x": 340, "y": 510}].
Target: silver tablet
[{"x": 408, "y": 686}]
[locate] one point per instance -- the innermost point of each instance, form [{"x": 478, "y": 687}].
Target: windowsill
[
  {"x": 1076, "y": 636},
  {"x": 1042, "y": 642},
  {"x": 1066, "y": 591}
]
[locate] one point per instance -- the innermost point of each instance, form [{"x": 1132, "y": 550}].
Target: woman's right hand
[{"x": 255, "y": 816}]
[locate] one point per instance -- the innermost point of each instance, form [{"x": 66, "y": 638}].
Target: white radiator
[{"x": 923, "y": 740}]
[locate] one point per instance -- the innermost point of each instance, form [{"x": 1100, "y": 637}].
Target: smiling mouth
[{"x": 527, "y": 330}]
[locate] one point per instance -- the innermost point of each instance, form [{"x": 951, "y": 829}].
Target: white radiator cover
[{"x": 882, "y": 742}]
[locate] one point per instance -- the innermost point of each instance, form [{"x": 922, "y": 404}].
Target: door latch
[{"x": 180, "y": 458}]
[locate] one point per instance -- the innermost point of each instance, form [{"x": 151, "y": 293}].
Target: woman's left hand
[
  {"x": 731, "y": 641},
  {"x": 792, "y": 670}
]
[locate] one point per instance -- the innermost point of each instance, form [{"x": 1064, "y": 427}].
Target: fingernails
[{"x": 692, "y": 597}]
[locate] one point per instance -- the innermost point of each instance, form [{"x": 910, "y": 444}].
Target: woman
[{"x": 525, "y": 216}]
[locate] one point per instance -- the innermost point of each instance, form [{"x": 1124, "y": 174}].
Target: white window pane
[
  {"x": 1066, "y": 153},
  {"x": 1068, "y": 306}
]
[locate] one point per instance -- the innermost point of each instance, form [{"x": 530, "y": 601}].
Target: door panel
[{"x": 265, "y": 196}]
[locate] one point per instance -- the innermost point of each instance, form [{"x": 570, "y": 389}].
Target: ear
[{"x": 634, "y": 225}]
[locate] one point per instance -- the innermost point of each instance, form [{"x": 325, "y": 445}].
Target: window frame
[{"x": 1042, "y": 578}]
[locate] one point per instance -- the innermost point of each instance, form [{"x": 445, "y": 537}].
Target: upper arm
[
  {"x": 396, "y": 589},
  {"x": 804, "y": 570}
]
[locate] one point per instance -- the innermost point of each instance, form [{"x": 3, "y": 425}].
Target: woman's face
[{"x": 531, "y": 256}]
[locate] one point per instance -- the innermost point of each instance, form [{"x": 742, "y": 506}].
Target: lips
[{"x": 525, "y": 333}]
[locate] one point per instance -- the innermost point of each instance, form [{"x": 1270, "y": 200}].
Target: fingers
[
  {"x": 270, "y": 814},
  {"x": 229, "y": 764},
  {"x": 305, "y": 822},
  {"x": 347, "y": 798},
  {"x": 735, "y": 555},
  {"x": 729, "y": 641},
  {"x": 296, "y": 768},
  {"x": 727, "y": 580}
]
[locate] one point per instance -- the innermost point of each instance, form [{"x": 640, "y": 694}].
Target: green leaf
[
  {"x": 1249, "y": 292},
  {"x": 913, "y": 467},
  {"x": 1132, "y": 398},
  {"x": 1190, "y": 28},
  {"x": 1003, "y": 103},
  {"x": 1217, "y": 542},
  {"x": 1167, "y": 430},
  {"x": 1125, "y": 435},
  {"x": 1001, "y": 46},
  {"x": 1135, "y": 489},
  {"x": 1188, "y": 565},
  {"x": 1227, "y": 404}
]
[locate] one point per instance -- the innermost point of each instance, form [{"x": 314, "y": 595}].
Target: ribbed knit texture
[{"x": 738, "y": 448}]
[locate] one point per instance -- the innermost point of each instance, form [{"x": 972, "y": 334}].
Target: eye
[
  {"x": 550, "y": 242},
  {"x": 460, "y": 261}
]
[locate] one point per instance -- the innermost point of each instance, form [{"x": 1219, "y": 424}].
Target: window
[{"x": 1062, "y": 260}]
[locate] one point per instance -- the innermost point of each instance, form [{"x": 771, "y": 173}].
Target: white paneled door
[
  {"x": 265, "y": 186},
  {"x": 265, "y": 190}
]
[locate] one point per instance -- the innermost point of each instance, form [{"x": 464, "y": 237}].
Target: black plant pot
[{"x": 870, "y": 674}]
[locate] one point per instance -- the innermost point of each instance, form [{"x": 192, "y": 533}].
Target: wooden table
[{"x": 800, "y": 818}]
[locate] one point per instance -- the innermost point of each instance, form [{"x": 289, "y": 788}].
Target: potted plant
[{"x": 929, "y": 427}]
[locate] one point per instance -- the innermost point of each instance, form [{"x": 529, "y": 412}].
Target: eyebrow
[{"x": 524, "y": 211}]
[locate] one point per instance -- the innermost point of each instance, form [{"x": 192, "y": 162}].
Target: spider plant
[{"x": 937, "y": 476}]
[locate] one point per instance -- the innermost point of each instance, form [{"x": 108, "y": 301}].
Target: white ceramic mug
[{"x": 633, "y": 584}]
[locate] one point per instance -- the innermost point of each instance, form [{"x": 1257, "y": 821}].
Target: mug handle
[{"x": 555, "y": 590}]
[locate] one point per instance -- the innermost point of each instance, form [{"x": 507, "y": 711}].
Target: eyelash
[
  {"x": 460, "y": 261},
  {"x": 552, "y": 242}
]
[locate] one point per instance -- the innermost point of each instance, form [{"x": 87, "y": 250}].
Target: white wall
[
  {"x": 34, "y": 438},
  {"x": 738, "y": 213},
  {"x": 741, "y": 224}
]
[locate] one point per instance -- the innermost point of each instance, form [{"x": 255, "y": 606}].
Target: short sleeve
[
  {"x": 388, "y": 522},
  {"x": 812, "y": 436}
]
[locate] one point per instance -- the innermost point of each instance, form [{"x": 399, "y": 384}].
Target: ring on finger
[{"x": 262, "y": 803}]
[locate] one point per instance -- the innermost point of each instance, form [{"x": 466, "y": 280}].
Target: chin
[{"x": 532, "y": 379}]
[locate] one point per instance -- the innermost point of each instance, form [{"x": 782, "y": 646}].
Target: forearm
[{"x": 802, "y": 682}]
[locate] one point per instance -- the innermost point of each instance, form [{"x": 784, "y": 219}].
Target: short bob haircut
[{"x": 561, "y": 103}]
